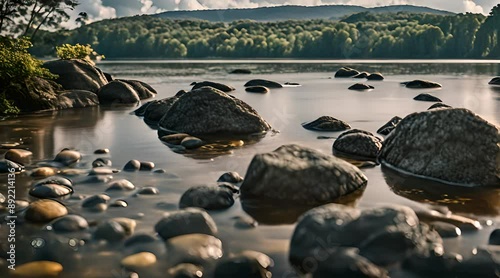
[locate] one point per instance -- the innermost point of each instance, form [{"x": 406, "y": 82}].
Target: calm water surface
[{"x": 465, "y": 84}]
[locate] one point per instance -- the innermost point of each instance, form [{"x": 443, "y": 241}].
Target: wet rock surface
[
  {"x": 264, "y": 83},
  {"x": 383, "y": 235},
  {"x": 257, "y": 89},
  {"x": 184, "y": 222},
  {"x": 326, "y": 123},
  {"x": 117, "y": 92},
  {"x": 207, "y": 197},
  {"x": 357, "y": 144},
  {"x": 231, "y": 177},
  {"x": 427, "y": 97},
  {"x": 43, "y": 211},
  {"x": 219, "y": 86},
  {"x": 346, "y": 72},
  {"x": 300, "y": 175},
  {"x": 361, "y": 86},
  {"x": 447, "y": 149},
  {"x": 421, "y": 84},
  {"x": 225, "y": 115}
]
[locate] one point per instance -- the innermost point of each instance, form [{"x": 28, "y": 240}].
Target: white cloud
[{"x": 101, "y": 9}]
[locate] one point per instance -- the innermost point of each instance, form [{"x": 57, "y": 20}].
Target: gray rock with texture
[
  {"x": 78, "y": 99},
  {"x": 453, "y": 145},
  {"x": 207, "y": 197},
  {"x": 209, "y": 111},
  {"x": 77, "y": 74},
  {"x": 383, "y": 235},
  {"x": 300, "y": 175},
  {"x": 357, "y": 144},
  {"x": 156, "y": 109},
  {"x": 185, "y": 221}
]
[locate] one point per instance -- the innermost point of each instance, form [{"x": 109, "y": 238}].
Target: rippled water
[{"x": 465, "y": 84}]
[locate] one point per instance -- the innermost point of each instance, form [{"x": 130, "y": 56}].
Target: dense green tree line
[{"x": 364, "y": 35}]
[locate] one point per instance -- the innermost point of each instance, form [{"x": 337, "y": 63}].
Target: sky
[{"x": 102, "y": 9}]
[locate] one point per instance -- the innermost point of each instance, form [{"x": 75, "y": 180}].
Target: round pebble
[
  {"x": 45, "y": 191},
  {"x": 123, "y": 185},
  {"x": 127, "y": 224},
  {"x": 19, "y": 156},
  {"x": 174, "y": 139},
  {"x": 68, "y": 157},
  {"x": 139, "y": 260},
  {"x": 69, "y": 223},
  {"x": 110, "y": 231},
  {"x": 43, "y": 172},
  {"x": 146, "y": 166},
  {"x": 101, "y": 151},
  {"x": 192, "y": 143},
  {"x": 38, "y": 269},
  {"x": 102, "y": 162},
  {"x": 119, "y": 204},
  {"x": 149, "y": 190},
  {"x": 186, "y": 270},
  {"x": 132, "y": 165},
  {"x": 45, "y": 211}
]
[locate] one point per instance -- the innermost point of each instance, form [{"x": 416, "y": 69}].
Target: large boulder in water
[
  {"x": 208, "y": 111},
  {"x": 117, "y": 92},
  {"x": 264, "y": 83},
  {"x": 453, "y": 145},
  {"x": 346, "y": 72},
  {"x": 300, "y": 175},
  {"x": 495, "y": 81},
  {"x": 77, "y": 74},
  {"x": 383, "y": 235},
  {"x": 34, "y": 94},
  {"x": 144, "y": 90},
  {"x": 154, "y": 110},
  {"x": 421, "y": 84}
]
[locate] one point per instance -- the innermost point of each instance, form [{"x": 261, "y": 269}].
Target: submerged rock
[
  {"x": 240, "y": 71},
  {"x": 257, "y": 89},
  {"x": 375, "y": 76},
  {"x": 185, "y": 221},
  {"x": 495, "y": 81},
  {"x": 346, "y": 72},
  {"x": 451, "y": 145},
  {"x": 207, "y": 197},
  {"x": 102, "y": 162},
  {"x": 138, "y": 261},
  {"x": 110, "y": 231},
  {"x": 300, "y": 175},
  {"x": 427, "y": 97},
  {"x": 484, "y": 263},
  {"x": 120, "y": 185},
  {"x": 421, "y": 84},
  {"x": 326, "y": 123},
  {"x": 264, "y": 83},
  {"x": 191, "y": 142},
  {"x": 43, "y": 172},
  {"x": 116, "y": 92},
  {"x": 48, "y": 190},
  {"x": 219, "y": 86},
  {"x": 132, "y": 165},
  {"x": 357, "y": 144},
  {"x": 96, "y": 203},
  {"x": 209, "y": 111},
  {"x": 383, "y": 235},
  {"x": 360, "y": 86},
  {"x": 446, "y": 230},
  {"x": 389, "y": 126}
]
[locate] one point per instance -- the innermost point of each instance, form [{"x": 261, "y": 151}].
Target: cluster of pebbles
[{"x": 329, "y": 240}]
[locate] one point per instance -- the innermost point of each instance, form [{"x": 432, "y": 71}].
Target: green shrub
[
  {"x": 16, "y": 64},
  {"x": 7, "y": 106},
  {"x": 77, "y": 51}
]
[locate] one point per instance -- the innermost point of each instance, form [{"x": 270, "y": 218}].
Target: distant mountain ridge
[{"x": 290, "y": 12}]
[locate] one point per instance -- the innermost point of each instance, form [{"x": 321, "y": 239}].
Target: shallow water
[{"x": 465, "y": 84}]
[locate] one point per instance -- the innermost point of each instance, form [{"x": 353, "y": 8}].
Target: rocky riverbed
[{"x": 172, "y": 198}]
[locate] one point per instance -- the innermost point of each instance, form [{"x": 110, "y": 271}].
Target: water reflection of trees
[
  {"x": 37, "y": 132},
  {"x": 159, "y": 69},
  {"x": 479, "y": 201}
]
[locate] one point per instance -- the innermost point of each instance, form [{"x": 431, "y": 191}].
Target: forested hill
[
  {"x": 292, "y": 12},
  {"x": 358, "y": 36}
]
